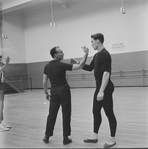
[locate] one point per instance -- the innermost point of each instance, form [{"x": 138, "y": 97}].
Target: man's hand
[
  {"x": 7, "y": 59},
  {"x": 100, "y": 96},
  {"x": 48, "y": 96},
  {"x": 85, "y": 49},
  {"x": 73, "y": 61}
]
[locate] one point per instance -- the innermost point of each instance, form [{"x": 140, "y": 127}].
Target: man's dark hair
[
  {"x": 0, "y": 56},
  {"x": 98, "y": 36},
  {"x": 53, "y": 51}
]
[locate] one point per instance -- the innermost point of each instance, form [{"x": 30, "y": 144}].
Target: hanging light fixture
[
  {"x": 122, "y": 9},
  {"x": 1, "y": 24},
  {"x": 52, "y": 23}
]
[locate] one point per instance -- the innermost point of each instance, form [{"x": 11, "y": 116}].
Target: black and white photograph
[{"x": 73, "y": 74}]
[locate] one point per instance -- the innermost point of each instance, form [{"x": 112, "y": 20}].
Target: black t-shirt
[
  {"x": 56, "y": 72},
  {"x": 101, "y": 62}
]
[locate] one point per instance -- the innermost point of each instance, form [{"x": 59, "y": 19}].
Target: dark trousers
[
  {"x": 107, "y": 104},
  {"x": 60, "y": 96}
]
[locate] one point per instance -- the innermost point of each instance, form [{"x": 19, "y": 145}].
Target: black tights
[{"x": 107, "y": 104}]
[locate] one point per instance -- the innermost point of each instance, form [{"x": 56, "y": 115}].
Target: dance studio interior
[{"x": 30, "y": 28}]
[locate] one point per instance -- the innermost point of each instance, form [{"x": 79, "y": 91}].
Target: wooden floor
[{"x": 27, "y": 112}]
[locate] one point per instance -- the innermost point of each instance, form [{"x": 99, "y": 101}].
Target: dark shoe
[
  {"x": 66, "y": 141},
  {"x": 109, "y": 145},
  {"x": 91, "y": 140},
  {"x": 46, "y": 139}
]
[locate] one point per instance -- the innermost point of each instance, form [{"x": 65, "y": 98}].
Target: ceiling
[
  {"x": 24, "y": 6},
  {"x": 28, "y": 5}
]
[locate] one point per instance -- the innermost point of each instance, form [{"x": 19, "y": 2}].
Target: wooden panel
[
  {"x": 18, "y": 70},
  {"x": 120, "y": 62},
  {"x": 124, "y": 61}
]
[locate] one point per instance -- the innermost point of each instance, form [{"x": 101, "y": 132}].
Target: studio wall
[
  {"x": 14, "y": 45},
  {"x": 123, "y": 32},
  {"x": 30, "y": 36},
  {"x": 120, "y": 62},
  {"x": 125, "y": 38}
]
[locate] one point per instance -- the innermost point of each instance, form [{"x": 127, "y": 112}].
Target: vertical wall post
[
  {"x": 143, "y": 75},
  {"x": 1, "y": 25}
]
